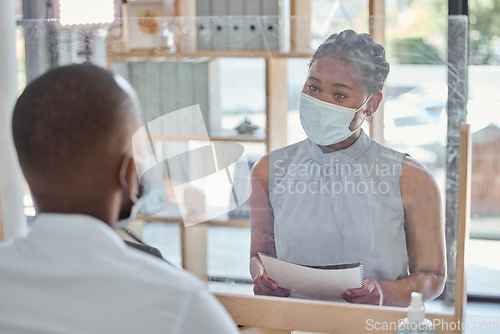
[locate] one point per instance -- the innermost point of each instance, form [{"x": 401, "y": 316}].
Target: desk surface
[{"x": 254, "y": 330}]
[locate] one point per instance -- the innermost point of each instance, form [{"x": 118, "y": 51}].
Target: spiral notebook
[{"x": 314, "y": 282}]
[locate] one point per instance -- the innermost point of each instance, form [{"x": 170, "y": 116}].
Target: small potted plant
[{"x": 246, "y": 127}]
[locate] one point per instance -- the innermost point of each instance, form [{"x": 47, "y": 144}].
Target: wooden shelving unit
[
  {"x": 276, "y": 88},
  {"x": 166, "y": 54},
  {"x": 225, "y": 135},
  {"x": 275, "y": 66}
]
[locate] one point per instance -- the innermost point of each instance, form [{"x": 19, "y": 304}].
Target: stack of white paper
[{"x": 320, "y": 282}]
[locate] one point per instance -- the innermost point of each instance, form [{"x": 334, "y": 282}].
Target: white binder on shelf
[
  {"x": 276, "y": 25},
  {"x": 168, "y": 86},
  {"x": 193, "y": 89},
  {"x": 201, "y": 92},
  {"x": 185, "y": 91},
  {"x": 220, "y": 24},
  {"x": 139, "y": 81},
  {"x": 214, "y": 96},
  {"x": 253, "y": 26},
  {"x": 168, "y": 96},
  {"x": 236, "y": 24},
  {"x": 284, "y": 26},
  {"x": 144, "y": 78},
  {"x": 152, "y": 88},
  {"x": 121, "y": 68},
  {"x": 270, "y": 24},
  {"x": 203, "y": 24}
]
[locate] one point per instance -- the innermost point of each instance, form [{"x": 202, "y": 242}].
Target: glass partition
[{"x": 241, "y": 94}]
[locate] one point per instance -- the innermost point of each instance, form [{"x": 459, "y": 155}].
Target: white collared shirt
[{"x": 73, "y": 274}]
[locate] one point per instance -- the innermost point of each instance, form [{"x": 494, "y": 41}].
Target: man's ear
[
  {"x": 128, "y": 177},
  {"x": 373, "y": 103},
  {"x": 132, "y": 178}
]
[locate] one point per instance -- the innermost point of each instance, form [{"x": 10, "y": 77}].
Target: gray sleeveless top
[{"x": 341, "y": 206}]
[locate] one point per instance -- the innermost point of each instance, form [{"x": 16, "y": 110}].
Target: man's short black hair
[{"x": 66, "y": 114}]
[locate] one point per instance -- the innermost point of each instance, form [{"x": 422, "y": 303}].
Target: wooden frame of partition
[{"x": 2, "y": 235}]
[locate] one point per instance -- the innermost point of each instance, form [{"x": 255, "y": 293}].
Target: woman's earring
[{"x": 369, "y": 118}]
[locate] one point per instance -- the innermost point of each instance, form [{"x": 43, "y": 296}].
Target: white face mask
[{"x": 326, "y": 123}]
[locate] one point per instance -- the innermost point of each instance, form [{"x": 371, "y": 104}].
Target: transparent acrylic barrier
[{"x": 173, "y": 64}]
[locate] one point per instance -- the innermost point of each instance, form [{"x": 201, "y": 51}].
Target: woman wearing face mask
[{"x": 339, "y": 196}]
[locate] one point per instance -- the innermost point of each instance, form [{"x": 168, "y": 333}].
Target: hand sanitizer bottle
[{"x": 416, "y": 322}]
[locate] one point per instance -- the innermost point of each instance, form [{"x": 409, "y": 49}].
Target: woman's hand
[
  {"x": 263, "y": 285},
  {"x": 262, "y": 229},
  {"x": 370, "y": 293}
]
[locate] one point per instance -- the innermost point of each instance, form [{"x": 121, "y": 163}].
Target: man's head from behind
[{"x": 72, "y": 130}]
